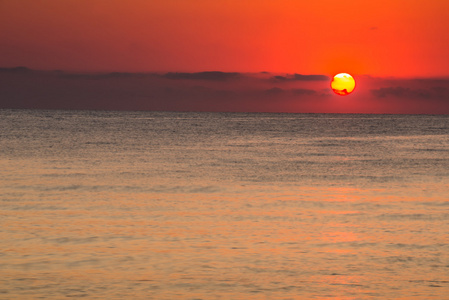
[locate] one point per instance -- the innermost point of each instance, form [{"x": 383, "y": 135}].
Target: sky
[{"x": 395, "y": 49}]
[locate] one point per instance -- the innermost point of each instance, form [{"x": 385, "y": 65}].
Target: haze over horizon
[{"x": 217, "y": 91}]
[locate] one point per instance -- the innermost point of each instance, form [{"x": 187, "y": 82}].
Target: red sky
[{"x": 406, "y": 38}]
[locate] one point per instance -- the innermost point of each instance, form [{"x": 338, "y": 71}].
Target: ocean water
[{"x": 164, "y": 205}]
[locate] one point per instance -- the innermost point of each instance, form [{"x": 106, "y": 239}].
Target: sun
[{"x": 343, "y": 84}]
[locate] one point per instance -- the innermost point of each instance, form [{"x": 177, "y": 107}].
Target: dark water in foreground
[{"x": 151, "y": 205}]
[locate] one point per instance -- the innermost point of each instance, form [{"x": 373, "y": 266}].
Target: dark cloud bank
[
  {"x": 216, "y": 91},
  {"x": 435, "y": 92}
]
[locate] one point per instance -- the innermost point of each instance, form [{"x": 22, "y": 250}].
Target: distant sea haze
[
  {"x": 217, "y": 91},
  {"x": 200, "y": 205}
]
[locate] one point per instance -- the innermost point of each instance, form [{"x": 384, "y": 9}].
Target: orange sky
[{"x": 404, "y": 38}]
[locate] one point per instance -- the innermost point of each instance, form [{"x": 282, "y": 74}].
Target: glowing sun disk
[{"x": 343, "y": 84}]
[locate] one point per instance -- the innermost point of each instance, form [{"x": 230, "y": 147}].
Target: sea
[{"x": 196, "y": 205}]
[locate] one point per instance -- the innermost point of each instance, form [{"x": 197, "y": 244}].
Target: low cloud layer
[
  {"x": 300, "y": 77},
  {"x": 213, "y": 75},
  {"x": 436, "y": 92},
  {"x": 217, "y": 91}
]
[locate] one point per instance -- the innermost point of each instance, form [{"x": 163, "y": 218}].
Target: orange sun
[{"x": 343, "y": 84}]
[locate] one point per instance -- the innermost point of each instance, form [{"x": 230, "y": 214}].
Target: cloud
[
  {"x": 103, "y": 75},
  {"x": 311, "y": 77},
  {"x": 64, "y": 74},
  {"x": 304, "y": 92},
  {"x": 215, "y": 91},
  {"x": 405, "y": 92},
  {"x": 16, "y": 70},
  {"x": 300, "y": 77},
  {"x": 274, "y": 91},
  {"x": 212, "y": 75}
]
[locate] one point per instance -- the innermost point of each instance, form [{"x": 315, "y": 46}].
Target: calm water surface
[{"x": 153, "y": 205}]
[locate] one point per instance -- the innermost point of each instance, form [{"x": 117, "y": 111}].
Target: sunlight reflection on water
[{"x": 194, "y": 206}]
